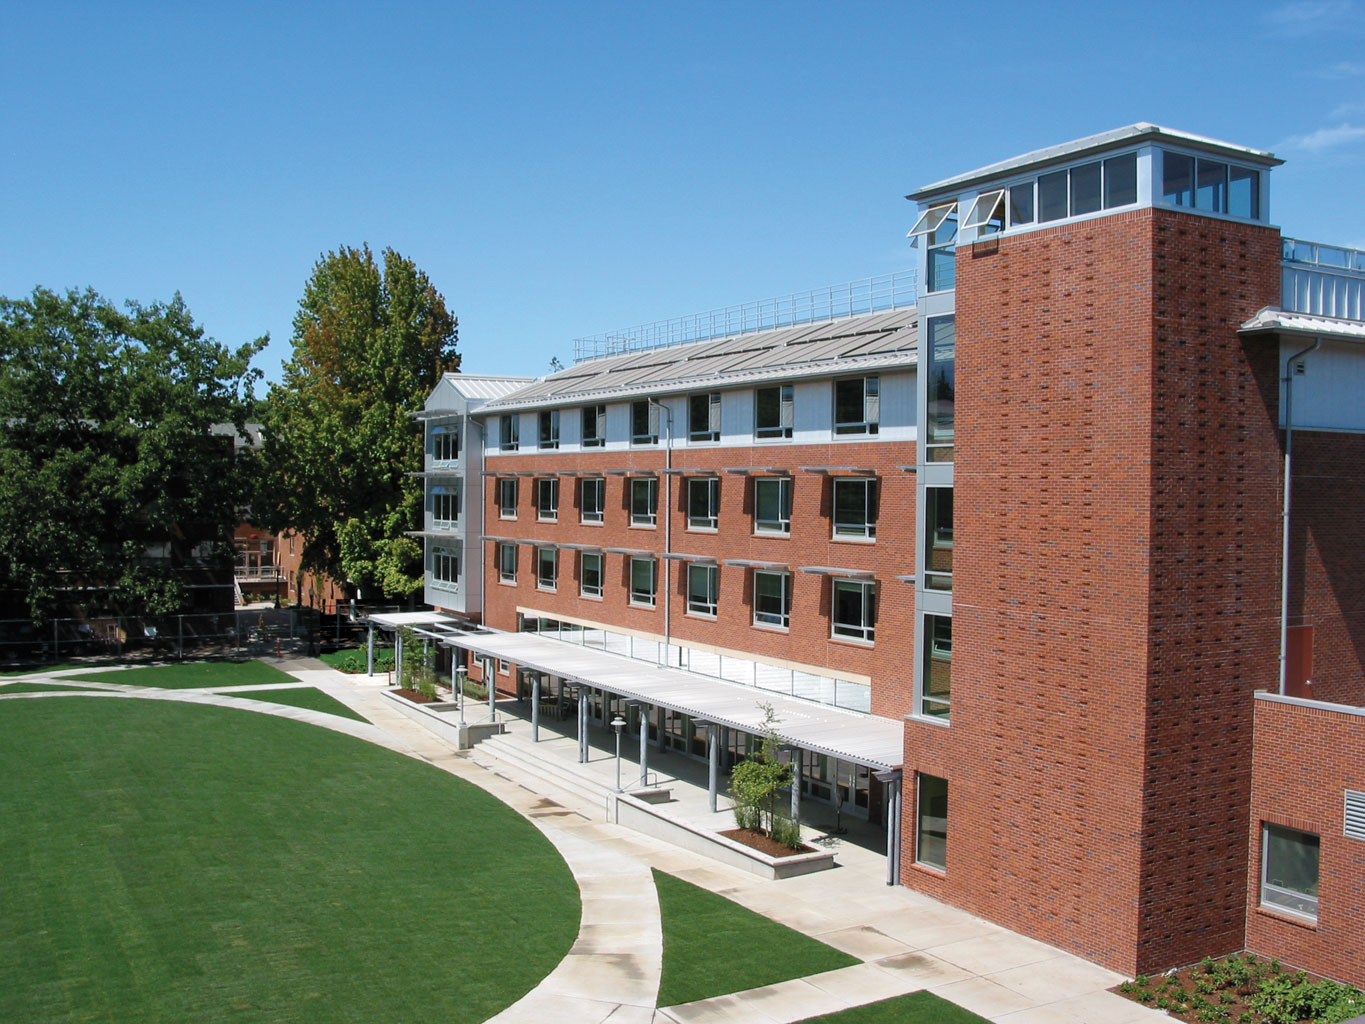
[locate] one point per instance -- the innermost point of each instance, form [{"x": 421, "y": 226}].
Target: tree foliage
[
  {"x": 111, "y": 481},
  {"x": 755, "y": 781},
  {"x": 369, "y": 345}
]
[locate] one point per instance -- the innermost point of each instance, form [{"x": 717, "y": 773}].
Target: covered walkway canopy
[{"x": 867, "y": 740}]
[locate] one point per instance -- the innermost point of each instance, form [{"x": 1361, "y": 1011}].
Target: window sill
[
  {"x": 644, "y": 526},
  {"x": 853, "y": 641},
  {"x": 644, "y": 607},
  {"x": 507, "y": 583},
  {"x": 773, "y": 533},
  {"x": 704, "y": 616},
  {"x": 507, "y": 519},
  {"x": 772, "y": 627},
  {"x": 542, "y": 519},
  {"x": 837, "y": 539},
  {"x": 702, "y": 529},
  {"x": 547, "y": 590},
  {"x": 941, "y": 722},
  {"x": 589, "y": 597},
  {"x": 590, "y": 522},
  {"x": 929, "y": 869},
  {"x": 1309, "y": 924},
  {"x": 773, "y": 440}
]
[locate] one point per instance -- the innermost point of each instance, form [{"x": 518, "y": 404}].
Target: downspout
[
  {"x": 1284, "y": 518},
  {"x": 668, "y": 531}
]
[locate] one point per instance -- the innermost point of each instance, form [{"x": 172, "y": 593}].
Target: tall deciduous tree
[
  {"x": 112, "y": 483},
  {"x": 369, "y": 345}
]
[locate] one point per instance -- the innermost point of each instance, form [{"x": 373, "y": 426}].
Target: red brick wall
[
  {"x": 1305, "y": 758},
  {"x": 1112, "y": 607},
  {"x": 1327, "y": 561},
  {"x": 808, "y": 642}
]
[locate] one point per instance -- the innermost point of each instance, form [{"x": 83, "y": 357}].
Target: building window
[
  {"x": 855, "y": 611},
  {"x": 644, "y": 423},
  {"x": 504, "y": 667},
  {"x": 941, "y": 258},
  {"x": 507, "y": 563},
  {"x": 1211, "y": 185},
  {"x": 592, "y": 498},
  {"x": 594, "y": 426},
  {"x": 857, "y": 405},
  {"x": 1075, "y": 191},
  {"x": 644, "y": 501},
  {"x": 1289, "y": 871},
  {"x": 445, "y": 444},
  {"x": 931, "y": 820},
  {"x": 703, "y": 503},
  {"x": 445, "y": 506},
  {"x": 547, "y": 568},
  {"x": 643, "y": 581},
  {"x": 590, "y": 573},
  {"x": 509, "y": 432},
  {"x": 507, "y": 497},
  {"x": 855, "y": 508},
  {"x": 772, "y": 598},
  {"x": 703, "y": 417},
  {"x": 703, "y": 589},
  {"x": 941, "y": 387},
  {"x": 445, "y": 569},
  {"x": 547, "y": 499},
  {"x": 549, "y": 428},
  {"x": 938, "y": 538},
  {"x": 773, "y": 412},
  {"x": 938, "y": 665},
  {"x": 773, "y": 504}
]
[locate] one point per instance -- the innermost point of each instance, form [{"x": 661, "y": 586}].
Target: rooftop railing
[
  {"x": 869, "y": 295},
  {"x": 1329, "y": 257}
]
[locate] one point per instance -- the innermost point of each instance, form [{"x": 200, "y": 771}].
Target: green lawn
[
  {"x": 353, "y": 659},
  {"x": 916, "y": 1008},
  {"x": 164, "y": 862},
  {"x": 302, "y": 697},
  {"x": 37, "y": 687},
  {"x": 194, "y": 675},
  {"x": 713, "y": 946},
  {"x": 29, "y": 670}
]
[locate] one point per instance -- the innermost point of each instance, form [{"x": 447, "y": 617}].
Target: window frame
[
  {"x": 509, "y": 432},
  {"x": 650, "y": 516},
  {"x": 584, "y": 589},
  {"x": 504, "y": 574},
  {"x": 781, "y": 619},
  {"x": 783, "y": 522},
  {"x": 867, "y": 530},
  {"x": 941, "y": 705},
  {"x": 597, "y": 416},
  {"x": 640, "y": 598},
  {"x": 548, "y": 435},
  {"x": 508, "y": 487},
  {"x": 553, "y": 576},
  {"x": 1279, "y": 898},
  {"x": 870, "y": 423},
  {"x": 710, "y": 522},
  {"x": 587, "y": 513},
  {"x": 937, "y": 539},
  {"x": 709, "y": 404},
  {"x": 441, "y": 448},
  {"x": 710, "y": 602},
  {"x": 444, "y": 558},
  {"x": 921, "y": 830},
  {"x": 865, "y": 630},
  {"x": 449, "y": 497},
  {"x": 643, "y": 408},
  {"x": 786, "y": 413},
  {"x": 547, "y": 487}
]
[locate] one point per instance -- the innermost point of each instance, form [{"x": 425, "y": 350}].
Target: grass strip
[
  {"x": 915, "y": 1008},
  {"x": 167, "y": 862},
  {"x": 38, "y": 687},
  {"x": 31, "y": 669},
  {"x": 193, "y": 675},
  {"x": 303, "y": 697},
  {"x": 713, "y": 946}
]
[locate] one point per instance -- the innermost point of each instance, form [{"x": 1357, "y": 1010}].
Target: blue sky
[{"x": 563, "y": 169}]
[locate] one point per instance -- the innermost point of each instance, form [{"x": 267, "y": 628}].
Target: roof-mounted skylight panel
[{"x": 931, "y": 220}]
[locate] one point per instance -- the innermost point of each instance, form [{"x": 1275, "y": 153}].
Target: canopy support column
[
  {"x": 796, "y": 785},
  {"x": 369, "y": 652},
  {"x": 713, "y": 756},
  {"x": 892, "y": 781},
  {"x": 582, "y": 725},
  {"x": 535, "y": 707},
  {"x": 491, "y": 681},
  {"x": 644, "y": 745}
]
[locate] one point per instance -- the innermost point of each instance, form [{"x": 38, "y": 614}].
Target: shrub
[{"x": 786, "y": 832}]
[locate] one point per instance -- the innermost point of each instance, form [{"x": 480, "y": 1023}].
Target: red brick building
[{"x": 1037, "y": 523}]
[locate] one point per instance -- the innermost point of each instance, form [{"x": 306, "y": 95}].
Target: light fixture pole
[{"x": 618, "y": 723}]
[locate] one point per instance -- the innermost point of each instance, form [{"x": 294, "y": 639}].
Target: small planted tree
[
  {"x": 755, "y": 783},
  {"x": 419, "y": 665}
]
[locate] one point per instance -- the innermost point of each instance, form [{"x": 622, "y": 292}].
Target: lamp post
[{"x": 618, "y": 723}]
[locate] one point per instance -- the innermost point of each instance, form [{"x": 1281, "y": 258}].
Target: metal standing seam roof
[
  {"x": 848, "y": 735},
  {"x": 1281, "y": 322},
  {"x": 872, "y": 340}
]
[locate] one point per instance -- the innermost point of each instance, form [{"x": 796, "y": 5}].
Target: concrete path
[{"x": 906, "y": 941}]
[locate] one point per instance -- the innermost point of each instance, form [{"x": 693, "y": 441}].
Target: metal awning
[
  {"x": 830, "y": 570},
  {"x": 863, "y": 739},
  {"x": 433, "y": 621},
  {"x": 1279, "y": 321}
]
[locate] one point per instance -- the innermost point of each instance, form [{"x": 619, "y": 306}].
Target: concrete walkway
[{"x": 906, "y": 941}]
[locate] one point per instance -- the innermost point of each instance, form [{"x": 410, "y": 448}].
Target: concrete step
[{"x": 543, "y": 771}]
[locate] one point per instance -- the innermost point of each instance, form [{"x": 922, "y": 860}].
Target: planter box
[
  {"x": 627, "y": 810},
  {"x": 444, "y": 720}
]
